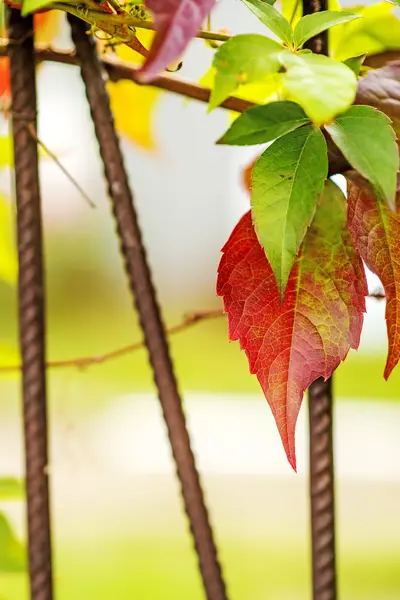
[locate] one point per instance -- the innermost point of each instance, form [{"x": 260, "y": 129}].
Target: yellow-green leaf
[
  {"x": 378, "y": 30},
  {"x": 8, "y": 255},
  {"x": 247, "y": 58},
  {"x": 323, "y": 87},
  {"x": 11, "y": 488},
  {"x": 12, "y": 552}
]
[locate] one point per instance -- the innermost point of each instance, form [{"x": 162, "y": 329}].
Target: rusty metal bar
[
  {"x": 144, "y": 295},
  {"x": 31, "y": 292},
  {"x": 322, "y": 476},
  {"x": 322, "y": 491}
]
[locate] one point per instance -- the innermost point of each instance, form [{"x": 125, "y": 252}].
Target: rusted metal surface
[
  {"x": 31, "y": 293},
  {"x": 322, "y": 491},
  {"x": 322, "y": 476},
  {"x": 144, "y": 295}
]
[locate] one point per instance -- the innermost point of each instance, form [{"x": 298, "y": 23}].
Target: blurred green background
[{"x": 119, "y": 528}]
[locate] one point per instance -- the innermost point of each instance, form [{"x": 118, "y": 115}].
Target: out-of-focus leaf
[
  {"x": 9, "y": 356},
  {"x": 322, "y": 86},
  {"x": 31, "y": 6},
  {"x": 133, "y": 105},
  {"x": 8, "y": 254},
  {"x": 365, "y": 137},
  {"x": 287, "y": 181},
  {"x": 381, "y": 88},
  {"x": 378, "y": 30},
  {"x": 11, "y": 488},
  {"x": 292, "y": 10},
  {"x": 176, "y": 22},
  {"x": 311, "y": 25},
  {"x": 376, "y": 234},
  {"x": 266, "y": 123},
  {"x": 247, "y": 58},
  {"x": 288, "y": 346},
  {"x": 355, "y": 63},
  {"x": 6, "y": 152},
  {"x": 272, "y": 18},
  {"x": 12, "y": 552}
]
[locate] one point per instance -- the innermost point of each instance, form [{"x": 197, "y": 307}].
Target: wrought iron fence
[{"x": 32, "y": 320}]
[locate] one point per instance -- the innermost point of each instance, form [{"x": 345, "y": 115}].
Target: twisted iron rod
[
  {"x": 144, "y": 295},
  {"x": 31, "y": 292},
  {"x": 322, "y": 476}
]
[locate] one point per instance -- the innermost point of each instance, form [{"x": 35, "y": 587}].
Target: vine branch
[
  {"x": 82, "y": 362},
  {"x": 118, "y": 70},
  {"x": 88, "y": 361}
]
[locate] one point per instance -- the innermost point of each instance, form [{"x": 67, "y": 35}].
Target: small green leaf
[
  {"x": 12, "y": 552},
  {"x": 11, "y": 488},
  {"x": 312, "y": 25},
  {"x": 322, "y": 86},
  {"x": 246, "y": 58},
  {"x": 266, "y": 123},
  {"x": 355, "y": 63},
  {"x": 31, "y": 6},
  {"x": 286, "y": 183},
  {"x": 367, "y": 140},
  {"x": 272, "y": 18}
]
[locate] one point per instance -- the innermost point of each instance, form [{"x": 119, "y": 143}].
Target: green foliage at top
[{"x": 273, "y": 19}]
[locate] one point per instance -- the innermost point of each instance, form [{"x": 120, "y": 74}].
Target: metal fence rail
[
  {"x": 32, "y": 331},
  {"x": 31, "y": 293}
]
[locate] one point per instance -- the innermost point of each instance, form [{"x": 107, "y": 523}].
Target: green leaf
[
  {"x": 246, "y": 58},
  {"x": 355, "y": 63},
  {"x": 312, "y": 25},
  {"x": 30, "y": 6},
  {"x": 8, "y": 254},
  {"x": 322, "y": 86},
  {"x": 266, "y": 123},
  {"x": 286, "y": 183},
  {"x": 11, "y": 488},
  {"x": 12, "y": 552},
  {"x": 367, "y": 140},
  {"x": 272, "y": 18}
]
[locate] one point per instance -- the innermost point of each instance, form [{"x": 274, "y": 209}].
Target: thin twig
[
  {"x": 119, "y": 70},
  {"x": 83, "y": 362},
  {"x": 68, "y": 175}
]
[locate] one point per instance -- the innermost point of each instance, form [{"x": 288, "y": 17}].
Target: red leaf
[
  {"x": 290, "y": 346},
  {"x": 376, "y": 233},
  {"x": 176, "y": 22}
]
